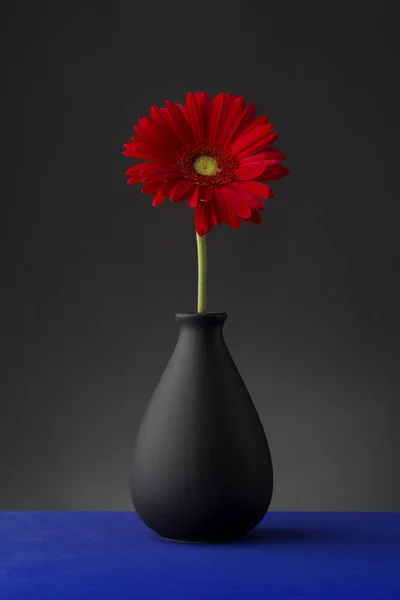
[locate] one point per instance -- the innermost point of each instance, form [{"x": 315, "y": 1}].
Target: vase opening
[{"x": 207, "y": 318}]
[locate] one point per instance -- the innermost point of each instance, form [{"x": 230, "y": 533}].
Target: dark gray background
[{"x": 92, "y": 274}]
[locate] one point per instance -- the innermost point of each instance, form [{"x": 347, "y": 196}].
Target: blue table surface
[{"x": 112, "y": 555}]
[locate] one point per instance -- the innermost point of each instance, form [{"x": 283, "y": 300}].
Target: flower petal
[
  {"x": 198, "y": 108},
  {"x": 162, "y": 177},
  {"x": 135, "y": 170},
  {"x": 199, "y": 220},
  {"x": 259, "y": 189},
  {"x": 234, "y": 202},
  {"x": 204, "y": 194},
  {"x": 255, "y": 124},
  {"x": 221, "y": 105},
  {"x": 203, "y": 218},
  {"x": 205, "y": 106},
  {"x": 158, "y": 198},
  {"x": 195, "y": 117},
  {"x": 247, "y": 118},
  {"x": 255, "y": 218},
  {"x": 161, "y": 187},
  {"x": 232, "y": 219},
  {"x": 157, "y": 129},
  {"x": 181, "y": 190},
  {"x": 254, "y": 158},
  {"x": 152, "y": 187},
  {"x": 232, "y": 121},
  {"x": 195, "y": 198},
  {"x": 151, "y": 171},
  {"x": 148, "y": 150},
  {"x": 253, "y": 200},
  {"x": 250, "y": 170},
  {"x": 254, "y": 141},
  {"x": 217, "y": 209},
  {"x": 273, "y": 171},
  {"x": 274, "y": 153},
  {"x": 179, "y": 122},
  {"x": 135, "y": 173}
]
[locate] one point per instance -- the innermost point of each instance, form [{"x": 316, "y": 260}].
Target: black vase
[{"x": 202, "y": 469}]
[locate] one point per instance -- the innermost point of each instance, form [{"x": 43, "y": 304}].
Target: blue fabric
[{"x": 113, "y": 556}]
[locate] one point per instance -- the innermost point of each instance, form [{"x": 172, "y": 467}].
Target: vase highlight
[{"x": 202, "y": 469}]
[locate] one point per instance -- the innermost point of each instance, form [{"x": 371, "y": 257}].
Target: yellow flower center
[{"x": 206, "y": 165}]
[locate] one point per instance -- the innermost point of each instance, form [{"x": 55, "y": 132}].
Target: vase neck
[{"x": 207, "y": 320}]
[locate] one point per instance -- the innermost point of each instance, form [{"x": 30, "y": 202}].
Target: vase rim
[{"x": 206, "y": 317}]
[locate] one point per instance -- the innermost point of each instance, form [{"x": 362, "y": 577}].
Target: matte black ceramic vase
[{"x": 202, "y": 468}]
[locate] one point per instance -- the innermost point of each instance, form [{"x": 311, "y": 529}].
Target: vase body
[{"x": 202, "y": 469}]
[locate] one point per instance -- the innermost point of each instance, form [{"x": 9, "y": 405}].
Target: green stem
[{"x": 202, "y": 273}]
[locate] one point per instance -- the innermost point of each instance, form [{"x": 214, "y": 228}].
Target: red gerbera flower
[{"x": 216, "y": 154}]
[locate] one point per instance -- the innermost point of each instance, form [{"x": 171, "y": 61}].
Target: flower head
[{"x": 214, "y": 153}]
